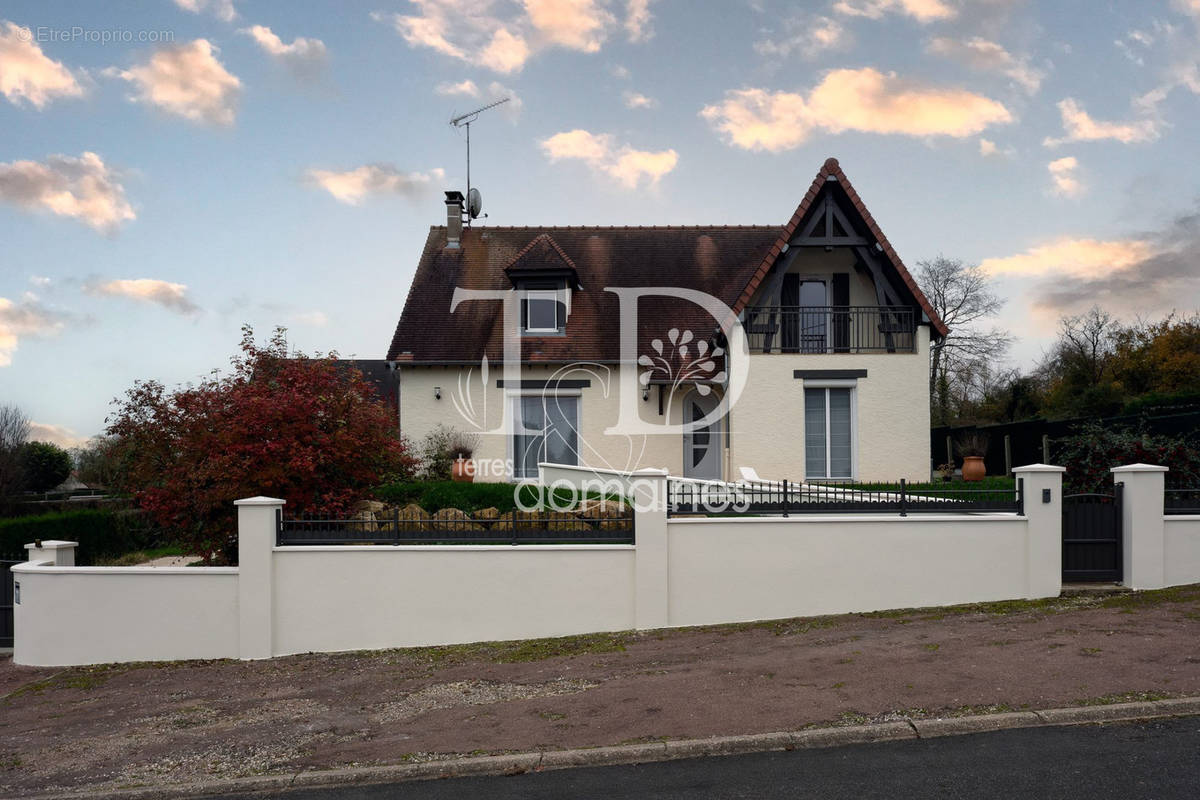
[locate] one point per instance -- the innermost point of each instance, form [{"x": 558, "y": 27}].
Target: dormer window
[
  {"x": 544, "y": 278},
  {"x": 544, "y": 310}
]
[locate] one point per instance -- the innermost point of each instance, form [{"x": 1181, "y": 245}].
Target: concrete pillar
[
  {"x": 648, "y": 494},
  {"x": 1042, "y": 498},
  {"x": 1143, "y": 532},
  {"x": 256, "y": 570},
  {"x": 56, "y": 552}
]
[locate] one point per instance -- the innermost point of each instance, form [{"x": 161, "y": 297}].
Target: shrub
[
  {"x": 44, "y": 466},
  {"x": 101, "y": 534},
  {"x": 441, "y": 447},
  {"x": 283, "y": 424},
  {"x": 1090, "y": 454}
]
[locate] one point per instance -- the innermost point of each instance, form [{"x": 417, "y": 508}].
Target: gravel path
[{"x": 133, "y": 725}]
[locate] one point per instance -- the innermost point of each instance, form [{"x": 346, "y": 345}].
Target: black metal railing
[
  {"x": 1181, "y": 501},
  {"x": 830, "y": 329},
  {"x": 785, "y": 498},
  {"x": 517, "y": 527}
]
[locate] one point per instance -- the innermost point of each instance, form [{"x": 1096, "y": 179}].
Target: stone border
[{"x": 519, "y": 763}]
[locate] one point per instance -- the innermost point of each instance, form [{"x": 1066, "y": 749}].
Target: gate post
[
  {"x": 1143, "y": 532},
  {"x": 1042, "y": 505},
  {"x": 257, "y": 531},
  {"x": 648, "y": 494}
]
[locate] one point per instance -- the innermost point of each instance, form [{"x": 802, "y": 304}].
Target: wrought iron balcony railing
[{"x": 830, "y": 329}]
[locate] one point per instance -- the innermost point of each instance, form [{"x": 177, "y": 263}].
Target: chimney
[{"x": 454, "y": 210}]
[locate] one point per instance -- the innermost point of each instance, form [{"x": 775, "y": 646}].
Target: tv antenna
[{"x": 475, "y": 204}]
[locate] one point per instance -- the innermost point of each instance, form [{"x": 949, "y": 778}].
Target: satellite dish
[{"x": 474, "y": 203}]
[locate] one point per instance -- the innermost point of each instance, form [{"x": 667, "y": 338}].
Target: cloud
[
  {"x": 624, "y": 164},
  {"x": 986, "y": 56},
  {"x": 27, "y": 74},
  {"x": 471, "y": 30},
  {"x": 1079, "y": 126},
  {"x": 466, "y": 87},
  {"x": 28, "y": 318},
  {"x": 620, "y": 72},
  {"x": 352, "y": 186},
  {"x": 808, "y": 37},
  {"x": 507, "y": 52},
  {"x": 989, "y": 149},
  {"x": 461, "y": 29},
  {"x": 575, "y": 24},
  {"x": 923, "y": 11},
  {"x": 1146, "y": 273},
  {"x": 186, "y": 80},
  {"x": 40, "y": 281},
  {"x": 303, "y": 56},
  {"x": 221, "y": 9},
  {"x": 83, "y": 188},
  {"x": 638, "y": 100},
  {"x": 171, "y": 296},
  {"x": 515, "y": 105},
  {"x": 1066, "y": 181},
  {"x": 850, "y": 100},
  {"x": 55, "y": 434},
  {"x": 638, "y": 19}
]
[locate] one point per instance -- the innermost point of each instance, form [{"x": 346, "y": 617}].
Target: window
[
  {"x": 828, "y": 433},
  {"x": 544, "y": 310},
  {"x": 546, "y": 430}
]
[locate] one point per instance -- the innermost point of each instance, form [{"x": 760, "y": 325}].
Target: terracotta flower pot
[
  {"x": 463, "y": 470},
  {"x": 973, "y": 468}
]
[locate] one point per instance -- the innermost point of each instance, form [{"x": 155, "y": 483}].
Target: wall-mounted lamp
[{"x": 437, "y": 393}]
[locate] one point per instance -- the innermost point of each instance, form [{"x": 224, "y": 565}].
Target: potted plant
[
  {"x": 461, "y": 447},
  {"x": 973, "y": 447},
  {"x": 946, "y": 471}
]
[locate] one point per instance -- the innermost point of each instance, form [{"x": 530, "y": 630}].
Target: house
[{"x": 798, "y": 351}]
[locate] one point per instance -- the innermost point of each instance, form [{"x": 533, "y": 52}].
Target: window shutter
[{"x": 841, "y": 319}]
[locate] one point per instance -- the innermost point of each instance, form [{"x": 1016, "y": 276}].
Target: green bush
[
  {"x": 44, "y": 466},
  {"x": 101, "y": 534},
  {"x": 436, "y": 495},
  {"x": 1089, "y": 455}
]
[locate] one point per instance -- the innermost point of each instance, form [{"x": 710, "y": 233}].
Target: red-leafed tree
[{"x": 284, "y": 425}]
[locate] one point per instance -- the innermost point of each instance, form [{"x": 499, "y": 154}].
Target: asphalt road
[{"x": 1158, "y": 759}]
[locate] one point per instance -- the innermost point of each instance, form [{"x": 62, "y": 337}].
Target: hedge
[
  {"x": 436, "y": 495},
  {"x": 101, "y": 534}
]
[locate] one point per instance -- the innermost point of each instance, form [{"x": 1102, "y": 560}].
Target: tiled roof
[{"x": 725, "y": 261}]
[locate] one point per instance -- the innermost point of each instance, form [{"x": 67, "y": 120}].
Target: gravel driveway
[{"x": 134, "y": 725}]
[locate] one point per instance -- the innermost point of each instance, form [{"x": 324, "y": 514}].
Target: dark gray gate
[
  {"x": 6, "y": 603},
  {"x": 1091, "y": 536}
]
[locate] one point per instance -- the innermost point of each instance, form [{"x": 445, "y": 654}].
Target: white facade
[{"x": 764, "y": 431}]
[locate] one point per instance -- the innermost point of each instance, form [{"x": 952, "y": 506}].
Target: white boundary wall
[
  {"x": 283, "y": 600},
  {"x": 1159, "y": 549}
]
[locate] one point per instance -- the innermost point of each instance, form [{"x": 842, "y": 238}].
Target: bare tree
[
  {"x": 1085, "y": 342},
  {"x": 14, "y": 432},
  {"x": 961, "y": 295}
]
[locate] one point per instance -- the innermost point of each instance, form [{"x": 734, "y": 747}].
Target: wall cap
[
  {"x": 1139, "y": 468},
  {"x": 1039, "y": 468},
  {"x": 53, "y": 544},
  {"x": 259, "y": 501}
]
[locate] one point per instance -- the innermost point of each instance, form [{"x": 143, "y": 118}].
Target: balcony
[{"x": 830, "y": 329}]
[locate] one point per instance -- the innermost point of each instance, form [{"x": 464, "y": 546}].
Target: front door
[{"x": 701, "y": 445}]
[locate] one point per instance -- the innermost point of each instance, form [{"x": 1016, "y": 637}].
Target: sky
[{"x": 173, "y": 169}]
